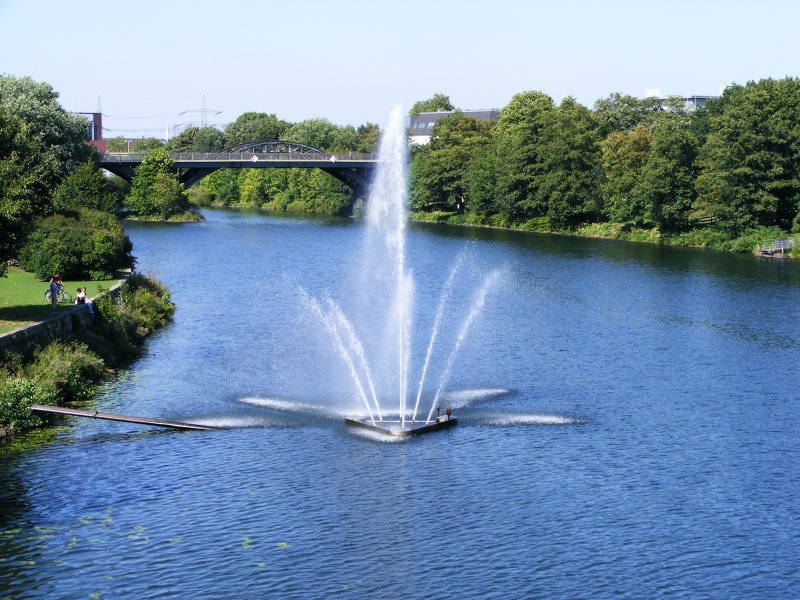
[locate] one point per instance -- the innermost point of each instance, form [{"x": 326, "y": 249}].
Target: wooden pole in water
[{"x": 93, "y": 414}]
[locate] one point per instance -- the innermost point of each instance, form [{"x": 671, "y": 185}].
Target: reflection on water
[{"x": 627, "y": 426}]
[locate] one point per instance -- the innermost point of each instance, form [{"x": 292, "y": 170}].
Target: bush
[
  {"x": 86, "y": 187},
  {"x": 702, "y": 238},
  {"x": 143, "y": 305},
  {"x": 16, "y": 396},
  {"x": 748, "y": 241},
  {"x": 86, "y": 243},
  {"x": 70, "y": 367}
]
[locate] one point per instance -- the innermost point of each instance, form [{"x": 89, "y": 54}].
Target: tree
[
  {"x": 146, "y": 144},
  {"x": 167, "y": 196},
  {"x": 440, "y": 180},
  {"x": 88, "y": 242},
  {"x": 667, "y": 180},
  {"x": 569, "y": 181},
  {"x": 750, "y": 163},
  {"x": 369, "y": 136},
  {"x": 254, "y": 127},
  {"x": 155, "y": 189},
  {"x": 86, "y": 187},
  {"x": 623, "y": 113},
  {"x": 223, "y": 185},
  {"x": 40, "y": 144},
  {"x": 193, "y": 139},
  {"x": 435, "y": 103},
  {"x": 117, "y": 144},
  {"x": 519, "y": 166},
  {"x": 317, "y": 133},
  {"x": 624, "y": 156}
]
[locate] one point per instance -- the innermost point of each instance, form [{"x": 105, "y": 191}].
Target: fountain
[{"x": 381, "y": 352}]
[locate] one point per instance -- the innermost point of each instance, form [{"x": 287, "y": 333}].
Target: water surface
[{"x": 628, "y": 427}]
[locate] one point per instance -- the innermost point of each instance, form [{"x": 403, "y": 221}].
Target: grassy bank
[
  {"x": 189, "y": 216},
  {"x": 698, "y": 238},
  {"x": 22, "y": 297},
  {"x": 66, "y": 371}
]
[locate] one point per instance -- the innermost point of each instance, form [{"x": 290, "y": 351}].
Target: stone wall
[{"x": 62, "y": 325}]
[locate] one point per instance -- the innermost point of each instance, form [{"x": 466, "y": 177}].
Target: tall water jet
[
  {"x": 387, "y": 216},
  {"x": 374, "y": 340}
]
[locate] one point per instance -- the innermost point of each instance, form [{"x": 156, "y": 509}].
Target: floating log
[{"x": 93, "y": 414}]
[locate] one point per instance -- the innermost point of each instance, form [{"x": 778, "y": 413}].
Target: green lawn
[{"x": 22, "y": 297}]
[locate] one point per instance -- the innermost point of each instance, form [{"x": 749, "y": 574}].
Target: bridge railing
[{"x": 135, "y": 157}]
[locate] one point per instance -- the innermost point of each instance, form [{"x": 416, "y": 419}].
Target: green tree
[
  {"x": 369, "y": 136},
  {"x": 155, "y": 189},
  {"x": 667, "y": 180},
  {"x": 117, "y": 144},
  {"x": 624, "y": 156},
  {"x": 254, "y": 127},
  {"x": 317, "y": 133},
  {"x": 40, "y": 144},
  {"x": 440, "y": 180},
  {"x": 750, "y": 163},
  {"x": 519, "y": 165},
  {"x": 194, "y": 139},
  {"x": 17, "y": 201},
  {"x": 86, "y": 187},
  {"x": 481, "y": 179},
  {"x": 88, "y": 242},
  {"x": 623, "y": 113},
  {"x": 437, "y": 102},
  {"x": 145, "y": 144},
  {"x": 223, "y": 185},
  {"x": 569, "y": 183}
]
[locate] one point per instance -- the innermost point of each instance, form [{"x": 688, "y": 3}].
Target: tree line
[
  {"x": 724, "y": 176},
  {"x": 721, "y": 176}
]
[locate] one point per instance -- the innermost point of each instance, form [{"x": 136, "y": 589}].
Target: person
[
  {"x": 55, "y": 285},
  {"x": 449, "y": 412},
  {"x": 437, "y": 411},
  {"x": 80, "y": 297},
  {"x": 89, "y": 304}
]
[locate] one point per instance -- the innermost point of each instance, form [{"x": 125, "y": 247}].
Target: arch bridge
[{"x": 353, "y": 169}]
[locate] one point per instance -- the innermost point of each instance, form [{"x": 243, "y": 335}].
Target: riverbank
[
  {"x": 699, "y": 238},
  {"x": 185, "y": 217},
  {"x": 59, "y": 360}
]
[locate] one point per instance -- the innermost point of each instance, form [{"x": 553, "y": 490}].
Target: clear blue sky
[{"x": 350, "y": 61}]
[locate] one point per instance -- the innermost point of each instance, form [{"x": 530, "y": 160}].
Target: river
[{"x": 628, "y": 427}]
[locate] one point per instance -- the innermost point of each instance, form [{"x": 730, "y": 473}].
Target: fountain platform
[{"x": 395, "y": 429}]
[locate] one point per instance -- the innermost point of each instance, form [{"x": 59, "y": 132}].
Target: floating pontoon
[{"x": 407, "y": 429}]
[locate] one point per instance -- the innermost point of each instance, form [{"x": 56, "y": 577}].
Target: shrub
[
  {"x": 155, "y": 189},
  {"x": 702, "y": 238},
  {"x": 86, "y": 187},
  {"x": 143, "y": 305},
  {"x": 70, "y": 367},
  {"x": 749, "y": 240},
  {"x": 86, "y": 243},
  {"x": 16, "y": 396}
]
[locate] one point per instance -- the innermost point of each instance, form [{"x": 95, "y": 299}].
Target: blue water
[{"x": 628, "y": 427}]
